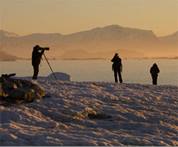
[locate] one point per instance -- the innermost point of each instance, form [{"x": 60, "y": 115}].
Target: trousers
[
  {"x": 117, "y": 72},
  {"x": 154, "y": 79},
  {"x": 35, "y": 71}
]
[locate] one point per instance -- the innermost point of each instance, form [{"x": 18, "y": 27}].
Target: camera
[
  {"x": 45, "y": 48},
  {"x": 37, "y": 47}
]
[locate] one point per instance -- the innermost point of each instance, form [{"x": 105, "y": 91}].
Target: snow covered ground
[{"x": 94, "y": 113}]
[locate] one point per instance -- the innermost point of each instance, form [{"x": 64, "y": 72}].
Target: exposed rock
[{"x": 17, "y": 90}]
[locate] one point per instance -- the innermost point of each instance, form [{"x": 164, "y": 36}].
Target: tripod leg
[{"x": 49, "y": 66}]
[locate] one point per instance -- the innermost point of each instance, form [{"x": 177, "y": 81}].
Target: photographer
[{"x": 36, "y": 59}]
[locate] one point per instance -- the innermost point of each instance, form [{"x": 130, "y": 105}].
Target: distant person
[
  {"x": 36, "y": 59},
  {"x": 154, "y": 70},
  {"x": 117, "y": 67}
]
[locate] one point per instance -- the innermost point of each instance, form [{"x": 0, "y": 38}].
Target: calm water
[{"x": 134, "y": 71}]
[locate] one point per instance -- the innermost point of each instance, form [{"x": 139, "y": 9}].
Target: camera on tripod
[
  {"x": 39, "y": 48},
  {"x": 44, "y": 48}
]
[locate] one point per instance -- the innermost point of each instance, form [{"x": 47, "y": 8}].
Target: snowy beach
[
  {"x": 93, "y": 113},
  {"x": 89, "y": 73}
]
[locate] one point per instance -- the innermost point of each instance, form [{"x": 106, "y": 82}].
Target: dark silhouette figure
[
  {"x": 36, "y": 59},
  {"x": 117, "y": 67},
  {"x": 154, "y": 70}
]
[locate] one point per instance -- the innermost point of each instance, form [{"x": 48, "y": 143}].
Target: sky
[{"x": 68, "y": 16}]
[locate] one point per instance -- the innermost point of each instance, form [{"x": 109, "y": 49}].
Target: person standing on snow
[
  {"x": 36, "y": 59},
  {"x": 117, "y": 67},
  {"x": 154, "y": 70}
]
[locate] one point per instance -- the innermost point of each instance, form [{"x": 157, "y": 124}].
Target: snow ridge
[{"x": 132, "y": 114}]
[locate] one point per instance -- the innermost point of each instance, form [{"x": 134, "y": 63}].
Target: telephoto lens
[{"x": 46, "y": 48}]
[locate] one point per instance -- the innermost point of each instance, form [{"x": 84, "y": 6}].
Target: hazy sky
[{"x": 67, "y": 16}]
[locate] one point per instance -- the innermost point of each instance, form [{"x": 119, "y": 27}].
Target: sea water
[{"x": 134, "y": 71}]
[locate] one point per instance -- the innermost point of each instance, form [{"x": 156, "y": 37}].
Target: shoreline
[
  {"x": 46, "y": 78},
  {"x": 88, "y": 59}
]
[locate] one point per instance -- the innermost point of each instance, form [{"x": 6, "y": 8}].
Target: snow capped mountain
[
  {"x": 102, "y": 41},
  {"x": 115, "y": 32}
]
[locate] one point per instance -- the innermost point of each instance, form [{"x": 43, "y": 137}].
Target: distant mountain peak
[
  {"x": 171, "y": 37},
  {"x": 112, "y": 27},
  {"x": 38, "y": 34},
  {"x": 43, "y": 34},
  {"x": 175, "y": 34},
  {"x": 99, "y": 41},
  {"x": 8, "y": 34},
  {"x": 115, "y": 27}
]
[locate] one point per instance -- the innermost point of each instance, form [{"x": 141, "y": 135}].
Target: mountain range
[{"x": 100, "y": 42}]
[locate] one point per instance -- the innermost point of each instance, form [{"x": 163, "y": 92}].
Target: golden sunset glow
[{"x": 68, "y": 16}]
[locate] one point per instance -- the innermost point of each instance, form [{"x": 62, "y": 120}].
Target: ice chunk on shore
[
  {"x": 53, "y": 76},
  {"x": 59, "y": 76}
]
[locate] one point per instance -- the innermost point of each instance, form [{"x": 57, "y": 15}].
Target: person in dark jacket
[
  {"x": 36, "y": 59},
  {"x": 154, "y": 70},
  {"x": 117, "y": 67}
]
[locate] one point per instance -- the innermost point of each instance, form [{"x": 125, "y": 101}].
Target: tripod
[{"x": 50, "y": 66}]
